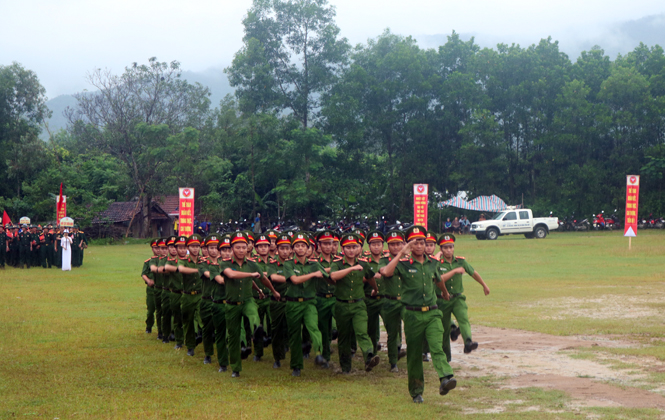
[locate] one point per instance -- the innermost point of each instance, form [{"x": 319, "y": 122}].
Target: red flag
[{"x": 5, "y": 218}]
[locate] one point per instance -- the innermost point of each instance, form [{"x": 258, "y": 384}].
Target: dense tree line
[{"x": 320, "y": 129}]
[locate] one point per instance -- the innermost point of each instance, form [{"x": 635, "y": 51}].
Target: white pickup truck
[{"x": 514, "y": 221}]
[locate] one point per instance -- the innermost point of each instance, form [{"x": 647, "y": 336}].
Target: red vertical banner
[
  {"x": 60, "y": 208},
  {"x": 420, "y": 192},
  {"x": 632, "y": 200},
  {"x": 186, "y": 212}
]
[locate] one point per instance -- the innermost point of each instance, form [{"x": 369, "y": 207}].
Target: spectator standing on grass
[
  {"x": 66, "y": 245},
  {"x": 257, "y": 223}
]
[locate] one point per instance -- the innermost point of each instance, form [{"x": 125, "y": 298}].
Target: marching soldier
[
  {"x": 392, "y": 309},
  {"x": 219, "y": 302},
  {"x": 325, "y": 292},
  {"x": 170, "y": 255},
  {"x": 148, "y": 277},
  {"x": 176, "y": 287},
  {"x": 422, "y": 318},
  {"x": 349, "y": 276},
  {"x": 452, "y": 268},
  {"x": 276, "y": 273},
  {"x": 159, "y": 283},
  {"x": 374, "y": 303},
  {"x": 238, "y": 278},
  {"x": 211, "y": 244},
  {"x": 262, "y": 246}
]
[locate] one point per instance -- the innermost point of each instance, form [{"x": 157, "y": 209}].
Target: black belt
[
  {"x": 290, "y": 299},
  {"x": 206, "y": 298},
  {"x": 234, "y": 303},
  {"x": 282, "y": 299},
  {"x": 325, "y": 295},
  {"x": 454, "y": 295},
  {"x": 393, "y": 297},
  {"x": 349, "y": 301},
  {"x": 421, "y": 308},
  {"x": 177, "y": 292},
  {"x": 218, "y": 301},
  {"x": 193, "y": 292},
  {"x": 377, "y": 297},
  {"x": 165, "y": 288}
]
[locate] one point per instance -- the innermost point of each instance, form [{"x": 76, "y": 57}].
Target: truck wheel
[
  {"x": 492, "y": 234},
  {"x": 540, "y": 232},
  {"x": 528, "y": 235},
  {"x": 480, "y": 237}
]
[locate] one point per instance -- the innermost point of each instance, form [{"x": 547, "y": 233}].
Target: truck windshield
[{"x": 499, "y": 216}]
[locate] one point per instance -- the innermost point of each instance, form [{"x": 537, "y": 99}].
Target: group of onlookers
[{"x": 459, "y": 225}]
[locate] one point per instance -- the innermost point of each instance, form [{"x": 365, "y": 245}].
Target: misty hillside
[{"x": 213, "y": 78}]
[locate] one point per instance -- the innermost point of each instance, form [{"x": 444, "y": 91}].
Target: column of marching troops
[
  {"x": 33, "y": 246},
  {"x": 297, "y": 290}
]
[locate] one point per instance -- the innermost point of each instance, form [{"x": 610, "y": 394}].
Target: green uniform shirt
[
  {"x": 322, "y": 285},
  {"x": 391, "y": 286},
  {"x": 306, "y": 289},
  {"x": 159, "y": 277},
  {"x": 175, "y": 279},
  {"x": 190, "y": 282},
  {"x": 277, "y": 266},
  {"x": 146, "y": 269},
  {"x": 351, "y": 286},
  {"x": 264, "y": 269},
  {"x": 240, "y": 290},
  {"x": 218, "y": 290},
  {"x": 418, "y": 281},
  {"x": 208, "y": 284},
  {"x": 455, "y": 284},
  {"x": 375, "y": 266}
]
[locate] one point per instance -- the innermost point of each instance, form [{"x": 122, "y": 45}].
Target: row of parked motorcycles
[{"x": 602, "y": 222}]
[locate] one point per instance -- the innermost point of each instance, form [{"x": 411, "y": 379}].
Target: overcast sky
[{"x": 62, "y": 40}]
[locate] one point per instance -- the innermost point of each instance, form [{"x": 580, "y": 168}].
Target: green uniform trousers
[
  {"x": 176, "y": 310},
  {"x": 325, "y": 307},
  {"x": 418, "y": 326},
  {"x": 373, "y": 323},
  {"x": 391, "y": 312},
  {"x": 299, "y": 315},
  {"x": 35, "y": 257},
  {"x": 166, "y": 314},
  {"x": 24, "y": 256},
  {"x": 219, "y": 321},
  {"x": 158, "y": 308},
  {"x": 50, "y": 255},
  {"x": 264, "y": 319},
  {"x": 234, "y": 314},
  {"x": 279, "y": 332},
  {"x": 208, "y": 327},
  {"x": 76, "y": 256},
  {"x": 3, "y": 255},
  {"x": 58, "y": 257},
  {"x": 43, "y": 257},
  {"x": 352, "y": 326},
  {"x": 150, "y": 304},
  {"x": 189, "y": 305},
  {"x": 455, "y": 306}
]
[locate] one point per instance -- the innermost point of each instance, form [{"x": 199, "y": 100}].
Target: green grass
[{"x": 73, "y": 345}]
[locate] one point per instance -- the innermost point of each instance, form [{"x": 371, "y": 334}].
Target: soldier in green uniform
[
  {"x": 34, "y": 253},
  {"x": 300, "y": 302},
  {"x": 238, "y": 278},
  {"x": 191, "y": 289},
  {"x": 83, "y": 244},
  {"x": 76, "y": 247},
  {"x": 349, "y": 276},
  {"x": 451, "y": 269},
  {"x": 392, "y": 309},
  {"x": 422, "y": 318},
  {"x": 208, "y": 286},
  {"x": 176, "y": 286},
  {"x": 148, "y": 277},
  {"x": 50, "y": 237},
  {"x": 262, "y": 246},
  {"x": 325, "y": 292},
  {"x": 25, "y": 247},
  {"x": 272, "y": 236},
  {"x": 374, "y": 303},
  {"x": 219, "y": 302},
  {"x": 158, "y": 290},
  {"x": 4, "y": 247},
  {"x": 170, "y": 255},
  {"x": 57, "y": 249},
  {"x": 276, "y": 271}
]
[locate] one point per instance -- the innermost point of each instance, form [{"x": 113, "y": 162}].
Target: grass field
[{"x": 72, "y": 344}]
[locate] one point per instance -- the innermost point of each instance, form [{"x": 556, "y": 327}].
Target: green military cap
[
  {"x": 271, "y": 234},
  {"x": 430, "y": 237},
  {"x": 153, "y": 243},
  {"x": 75, "y": 226},
  {"x": 171, "y": 240},
  {"x": 283, "y": 239},
  {"x": 290, "y": 233},
  {"x": 375, "y": 235},
  {"x": 325, "y": 235},
  {"x": 351, "y": 239},
  {"x": 211, "y": 240},
  {"x": 416, "y": 232},
  {"x": 9, "y": 226},
  {"x": 446, "y": 238},
  {"x": 195, "y": 239},
  {"x": 361, "y": 234},
  {"x": 395, "y": 236},
  {"x": 300, "y": 237},
  {"x": 225, "y": 241},
  {"x": 239, "y": 237},
  {"x": 249, "y": 234}
]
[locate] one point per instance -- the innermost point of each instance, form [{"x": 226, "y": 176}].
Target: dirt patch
[
  {"x": 529, "y": 359},
  {"x": 593, "y": 393},
  {"x": 601, "y": 307}
]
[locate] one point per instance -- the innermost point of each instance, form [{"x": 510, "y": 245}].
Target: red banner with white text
[
  {"x": 186, "y": 212},
  {"x": 60, "y": 208},
  {"x": 420, "y": 192},
  {"x": 632, "y": 200}
]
